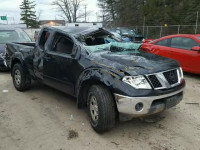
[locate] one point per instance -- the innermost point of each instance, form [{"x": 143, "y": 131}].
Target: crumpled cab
[{"x": 105, "y": 75}]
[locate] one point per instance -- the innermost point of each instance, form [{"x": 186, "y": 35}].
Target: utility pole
[
  {"x": 97, "y": 16},
  {"x": 7, "y": 19},
  {"x": 197, "y": 22},
  {"x": 85, "y": 13}
]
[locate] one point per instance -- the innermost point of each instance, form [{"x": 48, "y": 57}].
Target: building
[
  {"x": 21, "y": 26},
  {"x": 85, "y": 24},
  {"x": 51, "y": 23}
]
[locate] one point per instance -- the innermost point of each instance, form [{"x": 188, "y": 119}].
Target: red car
[{"x": 185, "y": 48}]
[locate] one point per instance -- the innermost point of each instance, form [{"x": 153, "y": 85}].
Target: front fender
[
  {"x": 103, "y": 76},
  {"x": 115, "y": 84}
]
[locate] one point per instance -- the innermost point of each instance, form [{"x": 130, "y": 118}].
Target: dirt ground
[{"x": 45, "y": 119}]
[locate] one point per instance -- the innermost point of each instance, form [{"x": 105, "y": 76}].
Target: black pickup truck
[{"x": 105, "y": 75}]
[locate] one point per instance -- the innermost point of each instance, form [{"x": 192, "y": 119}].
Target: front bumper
[{"x": 141, "y": 106}]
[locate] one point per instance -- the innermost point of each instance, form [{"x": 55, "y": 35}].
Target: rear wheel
[
  {"x": 20, "y": 78},
  {"x": 101, "y": 108}
]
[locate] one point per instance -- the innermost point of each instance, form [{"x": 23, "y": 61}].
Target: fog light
[{"x": 139, "y": 106}]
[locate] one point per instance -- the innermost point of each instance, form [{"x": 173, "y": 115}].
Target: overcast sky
[{"x": 49, "y": 12}]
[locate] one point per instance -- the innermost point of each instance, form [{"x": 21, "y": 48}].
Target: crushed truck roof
[{"x": 81, "y": 31}]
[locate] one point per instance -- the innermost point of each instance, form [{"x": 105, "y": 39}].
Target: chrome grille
[
  {"x": 171, "y": 76},
  {"x": 164, "y": 80},
  {"x": 154, "y": 81}
]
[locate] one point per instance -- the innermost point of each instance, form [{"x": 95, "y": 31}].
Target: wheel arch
[
  {"x": 15, "y": 61},
  {"x": 17, "y": 58},
  {"x": 82, "y": 94},
  {"x": 89, "y": 78}
]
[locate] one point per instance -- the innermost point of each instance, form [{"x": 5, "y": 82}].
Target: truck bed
[{"x": 24, "y": 51}]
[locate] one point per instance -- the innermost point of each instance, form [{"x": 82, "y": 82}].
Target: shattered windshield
[{"x": 114, "y": 47}]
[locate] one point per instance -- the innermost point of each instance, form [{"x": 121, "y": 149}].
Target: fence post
[
  {"x": 147, "y": 32},
  {"x": 160, "y": 31},
  {"x": 197, "y": 22},
  {"x": 144, "y": 24},
  {"x": 178, "y": 29}
]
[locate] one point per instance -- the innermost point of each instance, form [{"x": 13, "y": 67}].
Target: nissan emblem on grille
[{"x": 163, "y": 80}]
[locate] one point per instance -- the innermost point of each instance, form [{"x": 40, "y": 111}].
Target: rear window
[{"x": 7, "y": 36}]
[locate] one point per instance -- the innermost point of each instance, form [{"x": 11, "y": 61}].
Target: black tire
[
  {"x": 25, "y": 81},
  {"x": 106, "y": 108}
]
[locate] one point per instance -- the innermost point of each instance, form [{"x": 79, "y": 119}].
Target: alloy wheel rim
[
  {"x": 17, "y": 77},
  {"x": 94, "y": 109}
]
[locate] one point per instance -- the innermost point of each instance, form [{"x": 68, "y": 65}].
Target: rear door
[
  {"x": 180, "y": 49},
  {"x": 60, "y": 65},
  {"x": 38, "y": 55}
]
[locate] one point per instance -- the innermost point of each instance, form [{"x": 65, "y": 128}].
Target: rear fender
[{"x": 17, "y": 57}]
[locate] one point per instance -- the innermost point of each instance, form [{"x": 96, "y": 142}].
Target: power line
[{"x": 85, "y": 13}]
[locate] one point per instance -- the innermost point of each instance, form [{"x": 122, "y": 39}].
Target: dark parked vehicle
[
  {"x": 10, "y": 35},
  {"x": 128, "y": 33},
  {"x": 109, "y": 79}
]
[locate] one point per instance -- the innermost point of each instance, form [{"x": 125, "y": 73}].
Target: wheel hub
[
  {"x": 94, "y": 109},
  {"x": 17, "y": 77}
]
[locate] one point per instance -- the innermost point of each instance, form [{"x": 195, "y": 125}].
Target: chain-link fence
[
  {"x": 153, "y": 32},
  {"x": 160, "y": 31}
]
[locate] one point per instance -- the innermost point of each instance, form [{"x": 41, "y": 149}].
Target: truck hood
[{"x": 133, "y": 64}]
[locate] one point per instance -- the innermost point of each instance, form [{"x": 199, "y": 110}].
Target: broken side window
[
  {"x": 44, "y": 37},
  {"x": 100, "y": 38},
  {"x": 63, "y": 44}
]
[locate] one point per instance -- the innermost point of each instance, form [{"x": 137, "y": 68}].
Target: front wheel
[
  {"x": 101, "y": 108},
  {"x": 20, "y": 78}
]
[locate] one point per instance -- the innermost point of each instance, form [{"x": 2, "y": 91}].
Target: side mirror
[{"x": 196, "y": 48}]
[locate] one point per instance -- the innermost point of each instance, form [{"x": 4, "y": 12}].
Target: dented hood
[{"x": 133, "y": 63}]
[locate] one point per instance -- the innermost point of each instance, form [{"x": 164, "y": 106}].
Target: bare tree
[
  {"x": 70, "y": 8},
  {"x": 108, "y": 10},
  {"x": 40, "y": 12}
]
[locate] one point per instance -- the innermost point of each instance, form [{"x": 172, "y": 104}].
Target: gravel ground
[{"x": 45, "y": 119}]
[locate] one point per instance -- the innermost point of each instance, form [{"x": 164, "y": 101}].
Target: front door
[{"x": 59, "y": 64}]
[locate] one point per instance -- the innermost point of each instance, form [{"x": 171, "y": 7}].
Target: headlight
[{"x": 138, "y": 82}]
